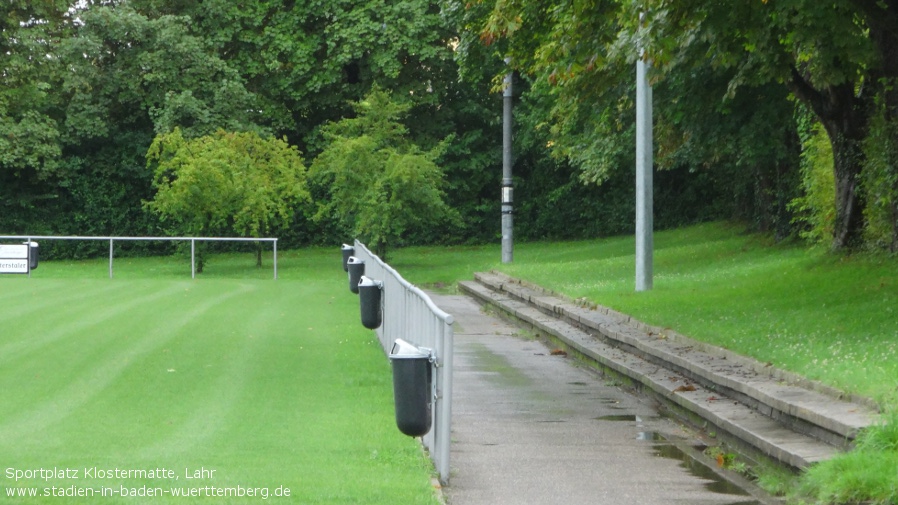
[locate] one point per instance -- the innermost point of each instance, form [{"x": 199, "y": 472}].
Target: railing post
[
  {"x": 444, "y": 440},
  {"x": 411, "y": 315},
  {"x": 192, "y": 258},
  {"x": 275, "y": 261},
  {"x": 28, "y": 259}
]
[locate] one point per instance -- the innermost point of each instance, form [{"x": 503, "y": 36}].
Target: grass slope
[
  {"x": 268, "y": 383},
  {"x": 828, "y": 317}
]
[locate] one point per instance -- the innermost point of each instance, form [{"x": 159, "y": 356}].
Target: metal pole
[
  {"x": 192, "y": 259},
  {"x": 28, "y": 259},
  {"x": 275, "y": 259},
  {"x": 444, "y": 441},
  {"x": 507, "y": 183},
  {"x": 644, "y": 183},
  {"x": 110, "y": 258}
]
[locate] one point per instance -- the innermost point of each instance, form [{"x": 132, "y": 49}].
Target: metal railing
[
  {"x": 409, "y": 314},
  {"x": 192, "y": 240}
]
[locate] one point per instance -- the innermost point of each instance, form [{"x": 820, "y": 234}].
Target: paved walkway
[{"x": 530, "y": 427}]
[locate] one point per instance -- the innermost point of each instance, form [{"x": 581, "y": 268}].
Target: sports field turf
[{"x": 254, "y": 386}]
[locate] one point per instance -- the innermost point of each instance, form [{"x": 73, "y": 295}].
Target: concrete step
[{"x": 781, "y": 415}]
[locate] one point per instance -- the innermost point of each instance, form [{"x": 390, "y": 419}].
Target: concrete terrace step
[{"x": 782, "y": 415}]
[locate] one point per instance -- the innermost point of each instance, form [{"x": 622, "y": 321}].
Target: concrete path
[
  {"x": 752, "y": 405},
  {"x": 530, "y": 427}
]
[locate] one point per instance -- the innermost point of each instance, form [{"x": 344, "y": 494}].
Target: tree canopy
[
  {"x": 744, "y": 92},
  {"x": 838, "y": 58},
  {"x": 379, "y": 183},
  {"x": 225, "y": 184}
]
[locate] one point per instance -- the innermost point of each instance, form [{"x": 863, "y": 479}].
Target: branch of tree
[
  {"x": 805, "y": 91},
  {"x": 878, "y": 12}
]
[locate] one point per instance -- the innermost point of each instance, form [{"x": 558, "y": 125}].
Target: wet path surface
[{"x": 530, "y": 427}]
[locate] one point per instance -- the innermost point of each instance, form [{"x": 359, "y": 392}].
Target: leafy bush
[
  {"x": 225, "y": 183},
  {"x": 880, "y": 184},
  {"x": 375, "y": 180},
  {"x": 815, "y": 210}
]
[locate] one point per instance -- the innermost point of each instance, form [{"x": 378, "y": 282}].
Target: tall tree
[
  {"x": 834, "y": 56},
  {"x": 837, "y": 57},
  {"x": 122, "y": 72},
  {"x": 30, "y": 147},
  {"x": 580, "y": 57},
  {"x": 308, "y": 61},
  {"x": 131, "y": 71},
  {"x": 131, "y": 76},
  {"x": 379, "y": 182}
]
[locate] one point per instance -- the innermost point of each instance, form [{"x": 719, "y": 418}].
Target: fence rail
[
  {"x": 409, "y": 314},
  {"x": 193, "y": 241}
]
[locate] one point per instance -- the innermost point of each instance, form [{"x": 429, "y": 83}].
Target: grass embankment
[
  {"x": 257, "y": 384},
  {"x": 828, "y": 317},
  {"x": 832, "y": 318}
]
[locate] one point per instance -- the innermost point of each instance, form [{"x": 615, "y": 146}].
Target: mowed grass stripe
[
  {"x": 21, "y": 296},
  {"x": 213, "y": 368},
  {"x": 269, "y": 383},
  {"x": 66, "y": 310},
  {"x": 41, "y": 305},
  {"x": 98, "y": 349}
]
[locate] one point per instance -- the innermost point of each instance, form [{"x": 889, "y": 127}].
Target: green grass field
[
  {"x": 275, "y": 383},
  {"x": 256, "y": 384}
]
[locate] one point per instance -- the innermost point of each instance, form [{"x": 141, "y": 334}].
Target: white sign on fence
[{"x": 13, "y": 259}]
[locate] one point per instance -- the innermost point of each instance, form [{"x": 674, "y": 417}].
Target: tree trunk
[
  {"x": 200, "y": 258},
  {"x": 848, "y": 159},
  {"x": 786, "y": 184},
  {"x": 845, "y": 115},
  {"x": 380, "y": 249},
  {"x": 764, "y": 202},
  {"x": 894, "y": 247}
]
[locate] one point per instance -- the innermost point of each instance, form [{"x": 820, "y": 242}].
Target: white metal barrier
[
  {"x": 409, "y": 314},
  {"x": 193, "y": 241}
]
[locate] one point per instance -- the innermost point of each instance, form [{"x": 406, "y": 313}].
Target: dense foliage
[
  {"x": 374, "y": 180},
  {"x": 746, "y": 98},
  {"x": 225, "y": 184},
  {"x": 728, "y": 77}
]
